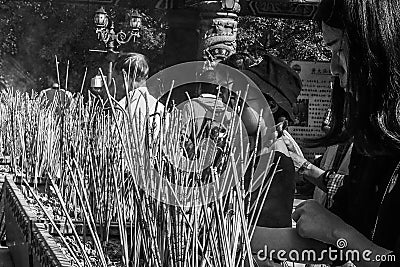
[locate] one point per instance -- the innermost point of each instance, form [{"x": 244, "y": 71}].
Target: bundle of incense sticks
[{"x": 105, "y": 164}]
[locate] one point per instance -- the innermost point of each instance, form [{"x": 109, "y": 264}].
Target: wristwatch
[{"x": 305, "y": 166}]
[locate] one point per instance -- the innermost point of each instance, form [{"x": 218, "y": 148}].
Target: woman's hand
[
  {"x": 298, "y": 160},
  {"x": 310, "y": 172},
  {"x": 316, "y": 222}
]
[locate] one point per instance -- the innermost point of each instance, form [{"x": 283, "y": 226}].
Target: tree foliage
[
  {"x": 33, "y": 33},
  {"x": 288, "y": 39}
]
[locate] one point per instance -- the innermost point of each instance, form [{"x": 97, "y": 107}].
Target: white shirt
[
  {"x": 62, "y": 96},
  {"x": 141, "y": 105}
]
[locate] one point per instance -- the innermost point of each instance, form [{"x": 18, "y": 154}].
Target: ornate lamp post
[{"x": 112, "y": 40}]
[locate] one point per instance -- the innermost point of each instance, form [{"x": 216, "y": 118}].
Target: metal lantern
[
  {"x": 135, "y": 20},
  {"x": 100, "y": 18},
  {"x": 228, "y": 4},
  {"x": 96, "y": 82},
  {"x": 113, "y": 39}
]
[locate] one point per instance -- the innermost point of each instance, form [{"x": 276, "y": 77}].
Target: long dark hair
[
  {"x": 373, "y": 107},
  {"x": 374, "y": 68}
]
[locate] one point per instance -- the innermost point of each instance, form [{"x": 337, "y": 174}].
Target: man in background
[
  {"x": 54, "y": 94},
  {"x": 131, "y": 73}
]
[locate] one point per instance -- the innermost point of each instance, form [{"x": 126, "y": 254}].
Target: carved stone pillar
[
  {"x": 200, "y": 29},
  {"x": 218, "y": 28}
]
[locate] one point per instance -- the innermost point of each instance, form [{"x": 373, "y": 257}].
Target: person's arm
[
  {"x": 367, "y": 250},
  {"x": 392, "y": 259},
  {"x": 327, "y": 181},
  {"x": 250, "y": 119},
  {"x": 309, "y": 171},
  {"x": 316, "y": 222},
  {"x": 286, "y": 244}
]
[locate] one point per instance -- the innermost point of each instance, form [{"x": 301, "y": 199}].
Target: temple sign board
[{"x": 312, "y": 103}]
